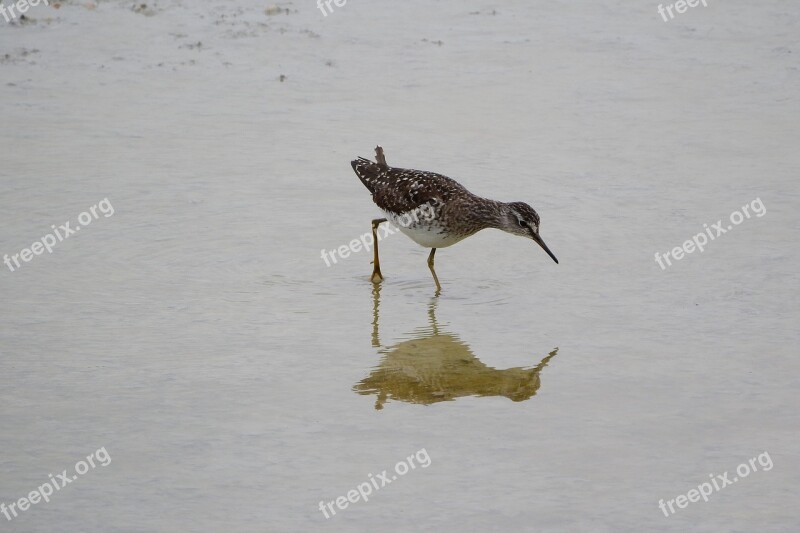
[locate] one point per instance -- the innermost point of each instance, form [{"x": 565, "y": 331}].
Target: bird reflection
[{"x": 436, "y": 366}]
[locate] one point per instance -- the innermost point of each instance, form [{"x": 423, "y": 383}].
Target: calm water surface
[{"x": 236, "y": 380}]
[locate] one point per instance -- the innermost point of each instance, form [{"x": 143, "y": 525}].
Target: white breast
[{"x": 429, "y": 234}]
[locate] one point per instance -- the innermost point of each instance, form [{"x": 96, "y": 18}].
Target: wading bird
[{"x": 401, "y": 192}]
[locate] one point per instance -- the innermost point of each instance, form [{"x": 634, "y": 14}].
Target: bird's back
[{"x": 399, "y": 190}]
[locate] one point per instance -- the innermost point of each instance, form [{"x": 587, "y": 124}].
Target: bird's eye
[{"x": 521, "y": 223}]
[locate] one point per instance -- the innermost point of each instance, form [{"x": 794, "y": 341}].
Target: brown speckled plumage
[
  {"x": 457, "y": 213},
  {"x": 399, "y": 190}
]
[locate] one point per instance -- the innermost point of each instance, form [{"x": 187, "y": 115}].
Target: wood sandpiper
[{"x": 456, "y": 213}]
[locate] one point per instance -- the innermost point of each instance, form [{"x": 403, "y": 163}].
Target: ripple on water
[{"x": 485, "y": 292}]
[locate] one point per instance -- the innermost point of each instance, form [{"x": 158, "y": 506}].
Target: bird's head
[{"x": 522, "y": 220}]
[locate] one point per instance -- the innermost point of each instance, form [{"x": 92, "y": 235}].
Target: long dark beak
[{"x": 541, "y": 243}]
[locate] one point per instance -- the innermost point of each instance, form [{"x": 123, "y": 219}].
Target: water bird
[{"x": 457, "y": 213}]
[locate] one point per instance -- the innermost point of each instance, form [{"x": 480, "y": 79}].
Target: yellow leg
[
  {"x": 376, "y": 268},
  {"x": 435, "y": 278}
]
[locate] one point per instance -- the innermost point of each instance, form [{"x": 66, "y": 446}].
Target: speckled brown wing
[{"x": 399, "y": 190}]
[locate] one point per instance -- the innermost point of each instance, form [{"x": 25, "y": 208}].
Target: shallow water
[{"x": 236, "y": 381}]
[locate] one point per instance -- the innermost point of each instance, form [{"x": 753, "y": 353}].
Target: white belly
[{"x": 425, "y": 233}]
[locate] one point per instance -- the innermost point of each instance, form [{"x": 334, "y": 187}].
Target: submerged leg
[
  {"x": 430, "y": 265},
  {"x": 376, "y": 269}
]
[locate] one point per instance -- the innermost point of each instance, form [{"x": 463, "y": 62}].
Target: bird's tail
[{"x": 368, "y": 171}]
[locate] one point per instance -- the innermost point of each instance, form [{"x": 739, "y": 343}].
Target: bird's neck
[{"x": 496, "y": 214}]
